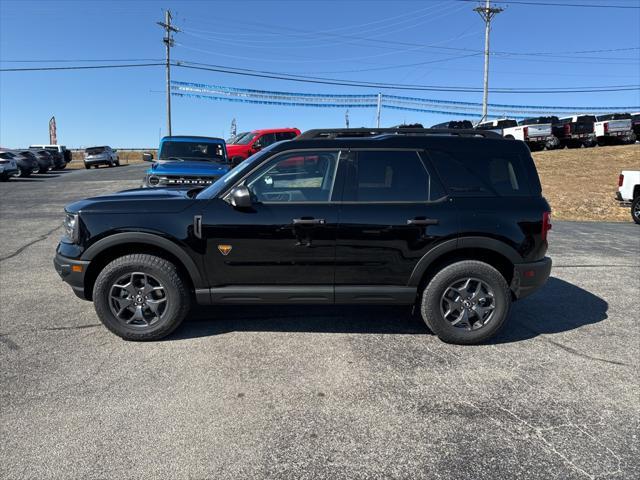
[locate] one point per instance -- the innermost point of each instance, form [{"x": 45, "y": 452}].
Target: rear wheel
[
  {"x": 87, "y": 166},
  {"x": 141, "y": 297},
  {"x": 635, "y": 210},
  {"x": 466, "y": 302},
  {"x": 24, "y": 173}
]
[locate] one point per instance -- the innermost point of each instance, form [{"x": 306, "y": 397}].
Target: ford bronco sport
[{"x": 450, "y": 221}]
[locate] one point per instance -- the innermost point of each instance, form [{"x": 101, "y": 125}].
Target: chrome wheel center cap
[{"x": 466, "y": 304}]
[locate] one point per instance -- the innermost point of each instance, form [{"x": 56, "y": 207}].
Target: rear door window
[
  {"x": 482, "y": 173},
  {"x": 390, "y": 176},
  {"x": 285, "y": 136}
]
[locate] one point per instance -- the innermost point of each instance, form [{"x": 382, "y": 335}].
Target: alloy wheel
[
  {"x": 468, "y": 303},
  {"x": 138, "y": 300}
]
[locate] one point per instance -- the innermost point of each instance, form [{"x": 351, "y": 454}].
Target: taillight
[
  {"x": 567, "y": 129},
  {"x": 606, "y": 128},
  {"x": 525, "y": 132},
  {"x": 546, "y": 225},
  {"x": 620, "y": 180}
]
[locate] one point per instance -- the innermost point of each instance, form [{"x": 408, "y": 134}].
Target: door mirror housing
[{"x": 240, "y": 197}]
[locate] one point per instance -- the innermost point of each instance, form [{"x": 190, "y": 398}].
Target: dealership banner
[{"x": 53, "y": 134}]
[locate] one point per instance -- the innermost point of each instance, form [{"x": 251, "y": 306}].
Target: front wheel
[
  {"x": 24, "y": 173},
  {"x": 635, "y": 210},
  {"x": 141, "y": 297},
  {"x": 466, "y": 302}
]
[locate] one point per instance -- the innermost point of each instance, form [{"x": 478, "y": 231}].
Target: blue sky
[{"x": 125, "y": 107}]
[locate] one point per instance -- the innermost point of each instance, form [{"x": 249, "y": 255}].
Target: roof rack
[{"x": 332, "y": 133}]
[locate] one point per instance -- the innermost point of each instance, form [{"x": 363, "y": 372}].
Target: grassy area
[{"x": 580, "y": 184}]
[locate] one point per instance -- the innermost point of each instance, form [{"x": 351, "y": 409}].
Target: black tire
[
  {"x": 24, "y": 173},
  {"x": 4, "y": 177},
  {"x": 176, "y": 292},
  {"x": 87, "y": 166},
  {"x": 509, "y": 137},
  {"x": 432, "y": 299},
  {"x": 635, "y": 210}
]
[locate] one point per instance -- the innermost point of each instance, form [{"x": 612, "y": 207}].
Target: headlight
[
  {"x": 71, "y": 225},
  {"x": 153, "y": 180}
]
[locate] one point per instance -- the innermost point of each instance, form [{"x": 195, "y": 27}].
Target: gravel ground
[{"x": 315, "y": 392}]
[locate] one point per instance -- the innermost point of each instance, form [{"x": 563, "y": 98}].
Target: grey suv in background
[{"x": 105, "y": 155}]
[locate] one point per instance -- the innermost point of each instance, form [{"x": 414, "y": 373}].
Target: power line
[
  {"x": 546, "y": 4},
  {"x": 84, "y": 60},
  {"x": 79, "y": 67},
  {"x": 354, "y": 83},
  {"x": 331, "y": 81}
]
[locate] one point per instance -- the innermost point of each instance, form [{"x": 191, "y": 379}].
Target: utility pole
[
  {"x": 168, "y": 42},
  {"x": 346, "y": 118},
  {"x": 234, "y": 127},
  {"x": 379, "y": 108},
  {"x": 487, "y": 13}
]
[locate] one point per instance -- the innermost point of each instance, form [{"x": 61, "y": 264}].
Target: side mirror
[
  {"x": 257, "y": 146},
  {"x": 147, "y": 157},
  {"x": 241, "y": 197}
]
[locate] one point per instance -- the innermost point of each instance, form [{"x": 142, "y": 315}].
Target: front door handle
[
  {"x": 422, "y": 221},
  {"x": 309, "y": 221}
]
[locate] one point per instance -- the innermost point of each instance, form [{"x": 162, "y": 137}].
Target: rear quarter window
[{"x": 483, "y": 173}]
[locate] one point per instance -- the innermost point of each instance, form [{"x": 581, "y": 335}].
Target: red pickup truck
[{"x": 245, "y": 144}]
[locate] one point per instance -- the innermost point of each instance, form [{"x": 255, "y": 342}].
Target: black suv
[{"x": 450, "y": 221}]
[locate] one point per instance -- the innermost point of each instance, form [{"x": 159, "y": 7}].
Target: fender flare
[
  {"x": 149, "y": 239},
  {"x": 451, "y": 245}
]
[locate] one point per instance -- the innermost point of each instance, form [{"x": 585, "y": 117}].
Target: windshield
[
  {"x": 236, "y": 137},
  {"x": 245, "y": 138},
  {"x": 198, "y": 151},
  {"x": 232, "y": 175}
]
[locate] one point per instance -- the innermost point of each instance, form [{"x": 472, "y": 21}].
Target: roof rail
[{"x": 331, "y": 133}]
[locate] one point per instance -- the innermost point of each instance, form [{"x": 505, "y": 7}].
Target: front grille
[{"x": 187, "y": 180}]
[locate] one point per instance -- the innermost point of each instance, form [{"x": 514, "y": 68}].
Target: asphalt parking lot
[{"x": 310, "y": 392}]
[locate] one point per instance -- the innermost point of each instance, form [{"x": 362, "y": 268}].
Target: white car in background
[
  {"x": 629, "y": 192},
  {"x": 614, "y": 128},
  {"x": 536, "y": 135}
]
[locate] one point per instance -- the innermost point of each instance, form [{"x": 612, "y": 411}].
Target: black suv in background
[{"x": 450, "y": 221}]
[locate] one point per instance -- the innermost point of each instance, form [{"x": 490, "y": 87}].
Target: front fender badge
[{"x": 225, "y": 249}]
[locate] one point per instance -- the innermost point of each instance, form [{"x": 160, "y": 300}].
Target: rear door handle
[
  {"x": 309, "y": 221},
  {"x": 422, "y": 221}
]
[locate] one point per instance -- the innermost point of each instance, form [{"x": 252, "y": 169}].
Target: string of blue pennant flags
[
  {"x": 327, "y": 105},
  {"x": 389, "y": 100}
]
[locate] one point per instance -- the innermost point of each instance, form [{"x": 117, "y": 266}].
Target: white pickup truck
[
  {"x": 614, "y": 128},
  {"x": 533, "y": 131},
  {"x": 629, "y": 192}
]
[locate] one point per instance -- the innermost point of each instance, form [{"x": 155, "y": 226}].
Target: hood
[
  {"x": 139, "y": 200},
  {"x": 188, "y": 168}
]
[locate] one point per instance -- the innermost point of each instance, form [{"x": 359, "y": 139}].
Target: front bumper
[
  {"x": 529, "y": 277},
  {"x": 72, "y": 271}
]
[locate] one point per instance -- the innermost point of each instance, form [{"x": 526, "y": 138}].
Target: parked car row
[
  {"x": 35, "y": 159},
  {"x": 550, "y": 132}
]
